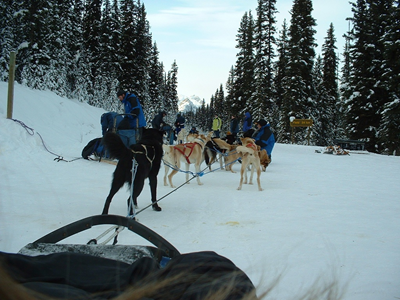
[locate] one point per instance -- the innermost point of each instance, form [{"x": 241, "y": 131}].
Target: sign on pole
[{"x": 301, "y": 123}]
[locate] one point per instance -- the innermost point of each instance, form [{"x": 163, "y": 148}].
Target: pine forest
[{"x": 87, "y": 50}]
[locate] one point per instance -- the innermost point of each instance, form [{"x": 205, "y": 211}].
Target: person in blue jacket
[
  {"x": 107, "y": 121},
  {"x": 135, "y": 119},
  {"x": 247, "y": 122},
  {"x": 264, "y": 136}
]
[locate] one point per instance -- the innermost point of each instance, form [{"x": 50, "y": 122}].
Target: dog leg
[
  {"x": 244, "y": 167},
  {"x": 115, "y": 186},
  {"x": 197, "y": 165},
  {"x": 242, "y": 170},
  {"x": 165, "y": 175},
  {"x": 251, "y": 174},
  {"x": 153, "y": 190},
  {"x": 258, "y": 178},
  {"x": 173, "y": 172},
  {"x": 187, "y": 173}
]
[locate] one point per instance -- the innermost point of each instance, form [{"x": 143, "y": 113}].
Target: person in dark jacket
[
  {"x": 264, "y": 136},
  {"x": 247, "y": 122},
  {"x": 234, "y": 126},
  {"x": 179, "y": 123},
  {"x": 193, "y": 130},
  {"x": 159, "y": 123}
]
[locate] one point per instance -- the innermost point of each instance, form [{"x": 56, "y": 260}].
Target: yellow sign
[{"x": 301, "y": 123}]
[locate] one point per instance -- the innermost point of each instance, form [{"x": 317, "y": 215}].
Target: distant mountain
[{"x": 186, "y": 104}]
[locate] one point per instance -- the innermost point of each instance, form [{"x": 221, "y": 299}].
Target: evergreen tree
[
  {"x": 242, "y": 88},
  {"x": 156, "y": 84},
  {"x": 299, "y": 97},
  {"x": 92, "y": 47},
  {"x": 390, "y": 126},
  {"x": 322, "y": 119},
  {"x": 143, "y": 47},
  {"x": 279, "y": 82},
  {"x": 171, "y": 94},
  {"x": 263, "y": 101},
  {"x": 330, "y": 89},
  {"x": 370, "y": 92},
  {"x": 35, "y": 58},
  {"x": 6, "y": 36}
]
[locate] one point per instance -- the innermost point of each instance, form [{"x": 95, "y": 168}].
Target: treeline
[
  {"x": 86, "y": 50},
  {"x": 277, "y": 76},
  {"x": 89, "y": 49}
]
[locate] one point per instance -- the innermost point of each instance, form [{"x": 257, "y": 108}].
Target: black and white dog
[{"x": 147, "y": 153}]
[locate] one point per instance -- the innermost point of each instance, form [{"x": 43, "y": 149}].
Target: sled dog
[
  {"x": 250, "y": 156},
  {"x": 181, "y": 137},
  {"x": 215, "y": 148},
  {"x": 147, "y": 153},
  {"x": 264, "y": 159},
  {"x": 189, "y": 153}
]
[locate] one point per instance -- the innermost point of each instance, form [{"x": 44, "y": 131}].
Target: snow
[{"x": 320, "y": 218}]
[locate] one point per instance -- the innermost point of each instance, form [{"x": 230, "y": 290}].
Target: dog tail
[
  {"x": 115, "y": 146},
  {"x": 244, "y": 150}
]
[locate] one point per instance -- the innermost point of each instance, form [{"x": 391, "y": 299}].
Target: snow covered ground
[{"x": 319, "y": 217}]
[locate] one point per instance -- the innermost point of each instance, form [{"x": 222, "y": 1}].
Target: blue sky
[{"x": 201, "y": 36}]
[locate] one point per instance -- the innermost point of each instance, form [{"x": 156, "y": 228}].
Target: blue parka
[
  {"x": 265, "y": 138},
  {"x": 132, "y": 106},
  {"x": 247, "y": 122}
]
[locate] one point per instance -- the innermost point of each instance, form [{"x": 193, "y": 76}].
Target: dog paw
[{"x": 156, "y": 207}]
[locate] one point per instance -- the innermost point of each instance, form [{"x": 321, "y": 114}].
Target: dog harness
[
  {"x": 145, "y": 153},
  {"x": 190, "y": 146}
]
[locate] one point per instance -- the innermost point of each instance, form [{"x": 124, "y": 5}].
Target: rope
[
  {"x": 31, "y": 132},
  {"x": 166, "y": 195},
  {"x": 131, "y": 206}
]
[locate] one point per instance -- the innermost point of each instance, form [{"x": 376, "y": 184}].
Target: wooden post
[{"x": 11, "y": 74}]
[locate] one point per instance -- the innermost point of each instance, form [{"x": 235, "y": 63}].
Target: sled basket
[{"x": 125, "y": 253}]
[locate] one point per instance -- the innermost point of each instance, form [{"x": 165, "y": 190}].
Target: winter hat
[
  {"x": 121, "y": 92},
  {"x": 262, "y": 122}
]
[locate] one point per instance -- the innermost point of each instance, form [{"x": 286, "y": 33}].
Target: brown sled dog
[
  {"x": 189, "y": 153},
  {"x": 250, "y": 156},
  {"x": 147, "y": 153}
]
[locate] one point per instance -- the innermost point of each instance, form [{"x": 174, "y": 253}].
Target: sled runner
[{"x": 93, "y": 271}]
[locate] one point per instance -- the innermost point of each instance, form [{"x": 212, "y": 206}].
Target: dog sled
[
  {"x": 46, "y": 268},
  {"x": 110, "y": 121}
]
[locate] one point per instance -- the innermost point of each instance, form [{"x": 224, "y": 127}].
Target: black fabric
[
  {"x": 92, "y": 147},
  {"x": 73, "y": 275}
]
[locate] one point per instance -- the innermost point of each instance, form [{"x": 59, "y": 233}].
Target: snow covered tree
[
  {"x": 299, "y": 99},
  {"x": 329, "y": 89},
  {"x": 171, "y": 94},
  {"x": 92, "y": 45},
  {"x": 322, "y": 128},
  {"x": 6, "y": 36},
  {"x": 242, "y": 86},
  {"x": 390, "y": 126},
  {"x": 279, "y": 82},
  {"x": 262, "y": 103},
  {"x": 369, "y": 91},
  {"x": 156, "y": 84}
]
